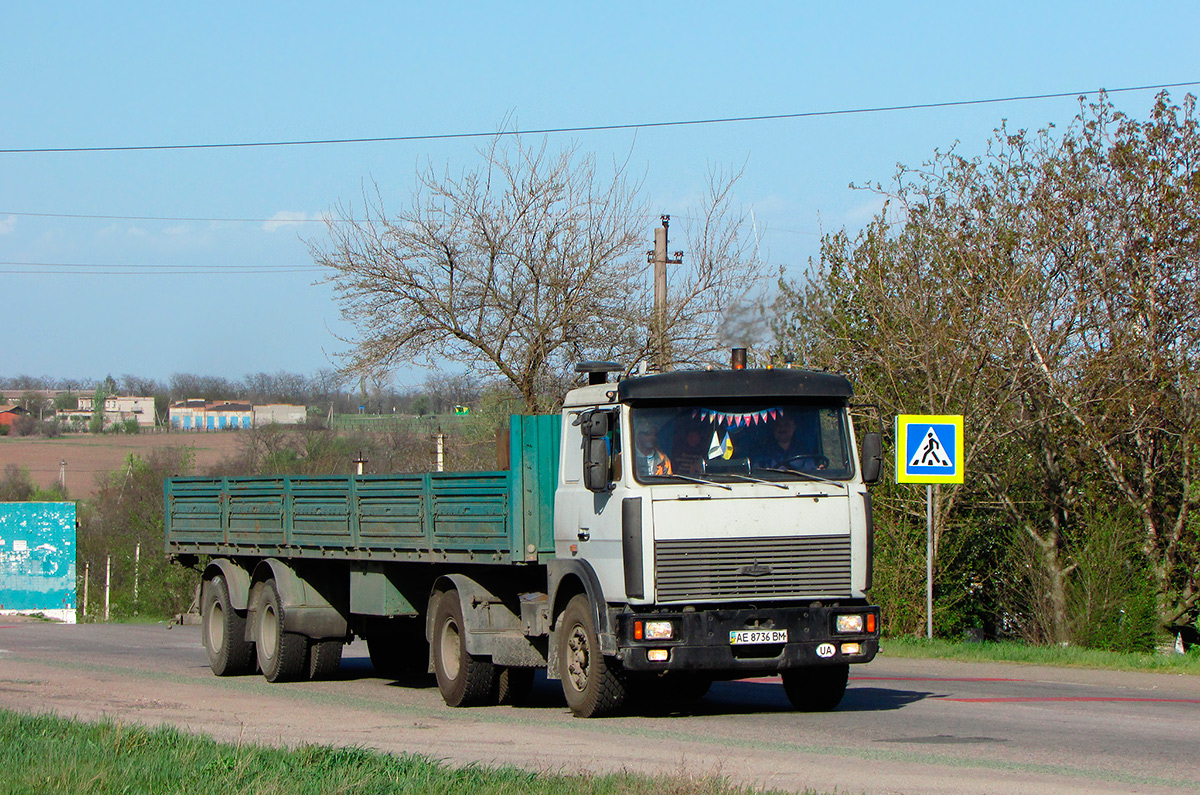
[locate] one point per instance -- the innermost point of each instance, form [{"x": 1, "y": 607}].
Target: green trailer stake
[{"x": 730, "y": 558}]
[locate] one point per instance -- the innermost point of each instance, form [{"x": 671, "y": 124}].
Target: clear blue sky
[{"x": 233, "y": 297}]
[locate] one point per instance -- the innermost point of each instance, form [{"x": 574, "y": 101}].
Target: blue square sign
[{"x": 929, "y": 448}]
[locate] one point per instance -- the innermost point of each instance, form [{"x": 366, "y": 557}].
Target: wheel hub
[
  {"x": 577, "y": 659},
  {"x": 216, "y": 627},
  {"x": 450, "y": 648}
]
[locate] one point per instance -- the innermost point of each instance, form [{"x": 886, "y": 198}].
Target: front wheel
[
  {"x": 593, "y": 686},
  {"x": 464, "y": 679},
  {"x": 816, "y": 688}
]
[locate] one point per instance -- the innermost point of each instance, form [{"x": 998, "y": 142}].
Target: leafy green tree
[
  {"x": 96, "y": 424},
  {"x": 1048, "y": 291},
  {"x": 66, "y": 401},
  {"x": 127, "y": 511}
]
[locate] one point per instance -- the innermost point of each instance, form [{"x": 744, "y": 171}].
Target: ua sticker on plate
[{"x": 826, "y": 650}]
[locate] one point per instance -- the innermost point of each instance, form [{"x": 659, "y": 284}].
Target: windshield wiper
[
  {"x": 806, "y": 475},
  {"x": 691, "y": 479},
  {"x": 758, "y": 480}
]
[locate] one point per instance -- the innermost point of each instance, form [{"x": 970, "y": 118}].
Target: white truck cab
[{"x": 726, "y": 511}]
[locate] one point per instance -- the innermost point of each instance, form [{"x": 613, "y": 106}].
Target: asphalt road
[{"x": 905, "y": 726}]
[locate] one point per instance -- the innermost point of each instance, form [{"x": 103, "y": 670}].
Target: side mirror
[
  {"x": 595, "y": 426},
  {"x": 872, "y": 457},
  {"x": 595, "y": 465}
]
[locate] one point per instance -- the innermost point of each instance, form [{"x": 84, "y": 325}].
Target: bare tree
[{"x": 521, "y": 267}]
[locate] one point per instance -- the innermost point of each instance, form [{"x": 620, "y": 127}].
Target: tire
[
  {"x": 223, "y": 630},
  {"x": 282, "y": 656},
  {"x": 324, "y": 658},
  {"x": 816, "y": 688},
  {"x": 513, "y": 685},
  {"x": 593, "y": 686},
  {"x": 399, "y": 650},
  {"x": 464, "y": 680}
]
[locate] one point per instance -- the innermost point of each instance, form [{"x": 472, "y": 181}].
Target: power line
[
  {"x": 99, "y": 269},
  {"x": 598, "y": 127},
  {"x": 281, "y": 221}
]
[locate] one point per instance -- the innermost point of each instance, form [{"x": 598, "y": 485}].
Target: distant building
[
  {"x": 9, "y": 413},
  {"x": 119, "y": 409},
  {"x": 281, "y": 414},
  {"x": 197, "y": 415}
]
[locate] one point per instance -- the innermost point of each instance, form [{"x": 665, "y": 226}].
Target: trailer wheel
[
  {"x": 513, "y": 685},
  {"x": 816, "y": 688},
  {"x": 282, "y": 656},
  {"x": 464, "y": 680},
  {"x": 324, "y": 658},
  {"x": 592, "y": 685},
  {"x": 224, "y": 631}
]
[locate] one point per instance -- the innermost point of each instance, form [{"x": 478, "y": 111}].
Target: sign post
[{"x": 929, "y": 450}]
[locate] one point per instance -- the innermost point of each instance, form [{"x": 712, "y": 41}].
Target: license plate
[{"x": 743, "y": 637}]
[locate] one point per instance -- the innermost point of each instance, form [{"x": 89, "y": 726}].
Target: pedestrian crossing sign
[{"x": 929, "y": 448}]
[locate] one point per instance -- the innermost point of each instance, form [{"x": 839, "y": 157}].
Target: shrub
[
  {"x": 1112, "y": 604},
  {"x": 24, "y": 425}
]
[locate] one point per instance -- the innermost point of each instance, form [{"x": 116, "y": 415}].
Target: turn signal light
[{"x": 871, "y": 623}]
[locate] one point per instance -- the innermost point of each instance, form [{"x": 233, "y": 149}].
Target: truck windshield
[{"x": 725, "y": 442}]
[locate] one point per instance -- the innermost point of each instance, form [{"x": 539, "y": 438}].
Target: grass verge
[
  {"x": 1063, "y": 657},
  {"x": 46, "y": 753}
]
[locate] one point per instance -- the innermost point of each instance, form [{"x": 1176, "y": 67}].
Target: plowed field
[{"x": 88, "y": 456}]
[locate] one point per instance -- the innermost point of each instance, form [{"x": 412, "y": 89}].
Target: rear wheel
[
  {"x": 816, "y": 688},
  {"x": 324, "y": 658},
  {"x": 223, "y": 630},
  {"x": 465, "y": 680},
  {"x": 593, "y": 686},
  {"x": 282, "y": 656},
  {"x": 513, "y": 685}
]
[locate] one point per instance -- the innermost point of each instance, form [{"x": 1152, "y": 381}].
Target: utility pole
[{"x": 658, "y": 257}]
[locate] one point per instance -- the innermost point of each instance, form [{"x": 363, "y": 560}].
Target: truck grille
[{"x": 753, "y": 568}]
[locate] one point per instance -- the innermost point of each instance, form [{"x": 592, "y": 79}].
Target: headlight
[
  {"x": 849, "y": 623},
  {"x": 659, "y": 630},
  {"x": 653, "y": 630}
]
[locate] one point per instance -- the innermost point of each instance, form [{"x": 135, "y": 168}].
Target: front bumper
[{"x": 701, "y": 640}]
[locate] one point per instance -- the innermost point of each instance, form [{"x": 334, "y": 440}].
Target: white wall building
[
  {"x": 280, "y": 413},
  {"x": 196, "y": 415},
  {"x": 116, "y": 409}
]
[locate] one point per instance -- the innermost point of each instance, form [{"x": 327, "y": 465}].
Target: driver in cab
[
  {"x": 648, "y": 459},
  {"x": 785, "y": 450}
]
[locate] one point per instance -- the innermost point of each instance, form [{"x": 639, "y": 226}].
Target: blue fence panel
[{"x": 37, "y": 556}]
